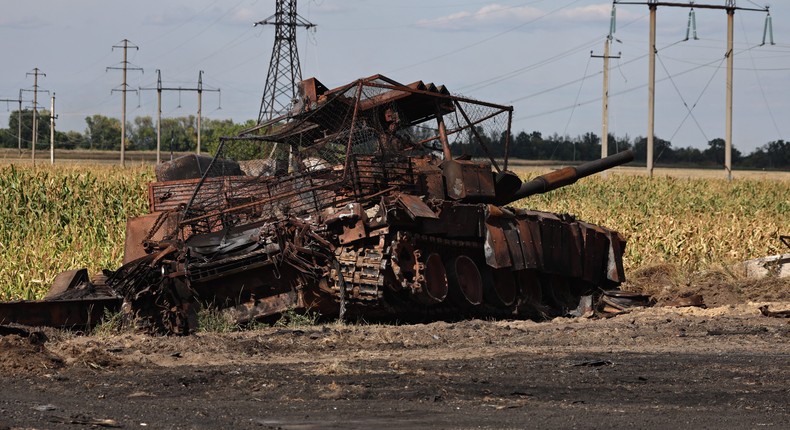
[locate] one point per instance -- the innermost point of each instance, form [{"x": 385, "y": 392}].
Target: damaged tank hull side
[{"x": 364, "y": 201}]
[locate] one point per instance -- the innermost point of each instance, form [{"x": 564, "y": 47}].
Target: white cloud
[
  {"x": 597, "y": 12},
  {"x": 495, "y": 14},
  {"x": 245, "y": 15}
]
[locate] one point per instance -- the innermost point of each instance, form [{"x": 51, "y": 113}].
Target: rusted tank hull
[{"x": 363, "y": 208}]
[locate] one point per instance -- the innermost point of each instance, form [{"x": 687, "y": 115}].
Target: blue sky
[{"x": 533, "y": 54}]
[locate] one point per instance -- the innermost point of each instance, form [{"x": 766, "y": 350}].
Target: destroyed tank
[{"x": 363, "y": 202}]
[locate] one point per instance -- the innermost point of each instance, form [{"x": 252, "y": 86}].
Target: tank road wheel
[
  {"x": 503, "y": 290},
  {"x": 425, "y": 278},
  {"x": 500, "y": 287},
  {"x": 557, "y": 291},
  {"x": 466, "y": 280},
  {"x": 434, "y": 278},
  {"x": 403, "y": 262},
  {"x": 530, "y": 294}
]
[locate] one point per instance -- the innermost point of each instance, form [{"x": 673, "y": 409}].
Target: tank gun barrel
[{"x": 568, "y": 175}]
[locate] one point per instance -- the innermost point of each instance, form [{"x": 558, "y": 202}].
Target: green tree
[
  {"x": 143, "y": 136},
  {"x": 715, "y": 152},
  {"x": 9, "y": 139},
  {"x": 213, "y": 129},
  {"x": 103, "y": 132}
]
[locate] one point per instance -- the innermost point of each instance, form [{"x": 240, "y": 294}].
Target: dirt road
[{"x": 724, "y": 367}]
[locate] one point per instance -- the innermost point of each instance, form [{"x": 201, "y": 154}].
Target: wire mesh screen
[{"x": 345, "y": 144}]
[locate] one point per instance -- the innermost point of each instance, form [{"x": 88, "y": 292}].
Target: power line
[
  {"x": 480, "y": 42},
  {"x": 35, "y": 73},
  {"x": 159, "y": 88},
  {"x": 124, "y": 88},
  {"x": 759, "y": 81},
  {"x": 615, "y": 94}
]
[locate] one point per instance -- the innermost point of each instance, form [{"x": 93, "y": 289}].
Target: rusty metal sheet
[
  {"x": 495, "y": 247},
  {"x": 574, "y": 256},
  {"x": 551, "y": 241},
  {"x": 65, "y": 281},
  {"x": 433, "y": 183},
  {"x": 415, "y": 207},
  {"x": 462, "y": 220},
  {"x": 350, "y": 234},
  {"x": 468, "y": 179},
  {"x": 595, "y": 250},
  {"x": 138, "y": 230},
  {"x": 514, "y": 244},
  {"x": 77, "y": 313},
  {"x": 614, "y": 264},
  {"x": 254, "y": 309},
  {"x": 528, "y": 246}
]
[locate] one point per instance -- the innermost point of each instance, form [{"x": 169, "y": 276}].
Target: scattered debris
[
  {"x": 594, "y": 363},
  {"x": 616, "y": 301},
  {"x": 689, "y": 300},
  {"x": 775, "y": 314},
  {"x": 773, "y": 266}
]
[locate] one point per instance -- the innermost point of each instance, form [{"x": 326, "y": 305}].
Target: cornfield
[
  {"x": 56, "y": 219},
  {"x": 689, "y": 223},
  {"x": 62, "y": 218}
]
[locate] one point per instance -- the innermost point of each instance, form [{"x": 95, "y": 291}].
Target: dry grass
[
  {"x": 65, "y": 217},
  {"x": 539, "y": 168},
  {"x": 690, "y": 223}
]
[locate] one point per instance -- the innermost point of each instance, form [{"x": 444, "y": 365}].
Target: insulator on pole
[
  {"x": 691, "y": 28},
  {"x": 768, "y": 30},
  {"x": 613, "y": 21}
]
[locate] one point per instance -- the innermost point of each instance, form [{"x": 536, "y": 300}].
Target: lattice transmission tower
[{"x": 284, "y": 70}]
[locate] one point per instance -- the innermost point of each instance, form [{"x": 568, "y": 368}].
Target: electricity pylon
[{"x": 284, "y": 69}]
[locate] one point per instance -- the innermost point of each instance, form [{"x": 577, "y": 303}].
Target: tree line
[
  {"x": 103, "y": 133},
  {"x": 180, "y": 135},
  {"x": 586, "y": 147}
]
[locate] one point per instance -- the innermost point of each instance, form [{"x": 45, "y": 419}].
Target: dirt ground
[{"x": 660, "y": 367}]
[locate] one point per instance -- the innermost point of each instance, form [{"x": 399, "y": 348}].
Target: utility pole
[
  {"x": 284, "y": 69},
  {"x": 52, "y": 117},
  {"x": 730, "y": 7},
  {"x": 36, "y": 72},
  {"x": 124, "y": 88},
  {"x": 605, "y": 108},
  {"x": 200, "y": 108},
  {"x": 159, "y": 88},
  {"x": 728, "y": 103},
  {"x": 651, "y": 91},
  {"x": 18, "y": 119},
  {"x": 19, "y": 125}
]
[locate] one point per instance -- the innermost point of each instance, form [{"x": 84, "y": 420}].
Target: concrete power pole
[
  {"x": 200, "y": 108},
  {"x": 605, "y": 107},
  {"x": 124, "y": 88},
  {"x": 651, "y": 90},
  {"x": 36, "y": 72},
  {"x": 284, "y": 69},
  {"x": 730, "y": 8},
  {"x": 728, "y": 113},
  {"x": 19, "y": 125},
  {"x": 52, "y": 117},
  {"x": 159, "y": 88},
  {"x": 18, "y": 119}
]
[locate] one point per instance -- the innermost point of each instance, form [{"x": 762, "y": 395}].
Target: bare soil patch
[{"x": 650, "y": 368}]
